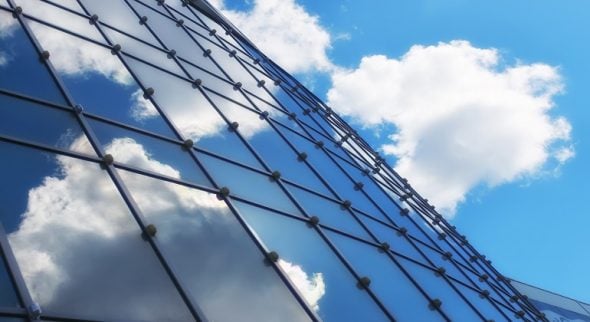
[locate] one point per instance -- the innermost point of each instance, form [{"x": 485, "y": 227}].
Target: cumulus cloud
[
  {"x": 7, "y": 27},
  {"x": 461, "y": 117},
  {"x": 311, "y": 287},
  {"x": 81, "y": 251},
  {"x": 285, "y": 32}
]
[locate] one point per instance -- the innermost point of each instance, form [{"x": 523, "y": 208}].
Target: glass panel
[
  {"x": 484, "y": 305},
  {"x": 78, "y": 247},
  {"x": 119, "y": 15},
  {"x": 391, "y": 286},
  {"x": 61, "y": 18},
  {"x": 19, "y": 64},
  {"x": 248, "y": 184},
  {"x": 437, "y": 288},
  {"x": 230, "y": 281},
  {"x": 330, "y": 213},
  {"x": 90, "y": 67},
  {"x": 542, "y": 298},
  {"x": 275, "y": 151},
  {"x": 148, "y": 153},
  {"x": 396, "y": 241},
  {"x": 193, "y": 115},
  {"x": 437, "y": 259},
  {"x": 30, "y": 121},
  {"x": 69, "y": 4},
  {"x": 312, "y": 267},
  {"x": 8, "y": 297},
  {"x": 145, "y": 52},
  {"x": 177, "y": 39},
  {"x": 343, "y": 185}
]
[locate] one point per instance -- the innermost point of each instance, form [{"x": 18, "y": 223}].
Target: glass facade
[{"x": 156, "y": 166}]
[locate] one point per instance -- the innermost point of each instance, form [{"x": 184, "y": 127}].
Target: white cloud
[
  {"x": 311, "y": 287},
  {"x": 285, "y": 32},
  {"x": 461, "y": 118},
  {"x": 142, "y": 109}
]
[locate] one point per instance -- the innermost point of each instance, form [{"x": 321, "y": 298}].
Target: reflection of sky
[{"x": 74, "y": 228}]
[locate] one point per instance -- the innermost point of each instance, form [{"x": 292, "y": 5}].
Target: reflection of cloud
[
  {"x": 311, "y": 287},
  {"x": 81, "y": 251},
  {"x": 460, "y": 119},
  {"x": 7, "y": 27},
  {"x": 77, "y": 57},
  {"x": 141, "y": 109}
]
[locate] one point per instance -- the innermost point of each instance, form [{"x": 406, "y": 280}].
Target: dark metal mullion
[
  {"x": 366, "y": 229},
  {"x": 242, "y": 222}
]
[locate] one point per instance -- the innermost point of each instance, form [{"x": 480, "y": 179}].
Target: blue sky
[{"x": 531, "y": 222}]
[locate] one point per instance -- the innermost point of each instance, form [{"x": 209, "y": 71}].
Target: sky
[{"x": 482, "y": 105}]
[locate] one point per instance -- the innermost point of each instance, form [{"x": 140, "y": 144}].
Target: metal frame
[{"x": 316, "y": 122}]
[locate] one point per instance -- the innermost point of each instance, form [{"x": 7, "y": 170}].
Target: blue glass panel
[
  {"x": 148, "y": 153},
  {"x": 99, "y": 82},
  {"x": 483, "y": 304},
  {"x": 30, "y": 121},
  {"x": 391, "y": 286},
  {"x": 312, "y": 267},
  {"x": 8, "y": 297},
  {"x": 330, "y": 213},
  {"x": 78, "y": 247},
  {"x": 343, "y": 185},
  {"x": 193, "y": 115},
  {"x": 437, "y": 288},
  {"x": 398, "y": 242},
  {"x": 274, "y": 150},
  {"x": 248, "y": 184},
  {"x": 438, "y": 260},
  {"x": 230, "y": 281},
  {"x": 19, "y": 63}
]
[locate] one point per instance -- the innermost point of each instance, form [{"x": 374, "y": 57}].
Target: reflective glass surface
[
  {"x": 248, "y": 184},
  {"x": 188, "y": 223},
  {"x": 8, "y": 297},
  {"x": 19, "y": 63},
  {"x": 192, "y": 114},
  {"x": 435, "y": 286},
  {"x": 35, "y": 122},
  {"x": 312, "y": 267},
  {"x": 79, "y": 249},
  {"x": 100, "y": 83},
  {"x": 329, "y": 212},
  {"x": 148, "y": 153},
  {"x": 397, "y": 292},
  {"x": 483, "y": 304}
]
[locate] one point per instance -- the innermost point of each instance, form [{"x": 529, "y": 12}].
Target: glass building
[{"x": 156, "y": 166}]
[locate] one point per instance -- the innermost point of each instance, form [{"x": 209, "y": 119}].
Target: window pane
[
  {"x": 8, "y": 297},
  {"x": 435, "y": 286},
  {"x": 312, "y": 267},
  {"x": 248, "y": 184},
  {"x": 233, "y": 272},
  {"x": 99, "y": 82},
  {"x": 30, "y": 121},
  {"x": 78, "y": 247},
  {"x": 148, "y": 153},
  {"x": 398, "y": 242},
  {"x": 119, "y": 15},
  {"x": 482, "y": 304},
  {"x": 20, "y": 63},
  {"x": 330, "y": 213},
  {"x": 192, "y": 114},
  {"x": 61, "y": 18},
  {"x": 393, "y": 288}
]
